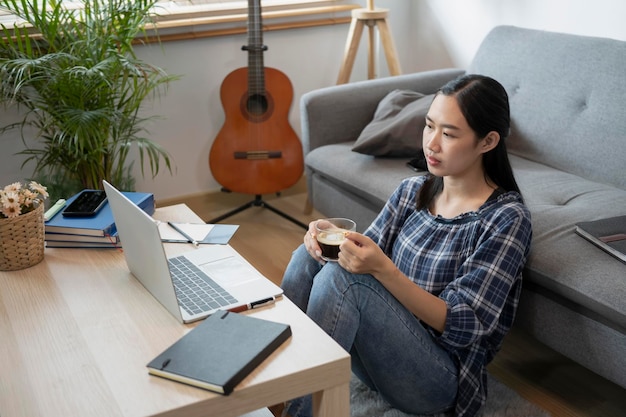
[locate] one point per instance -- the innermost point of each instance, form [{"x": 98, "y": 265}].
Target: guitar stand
[{"x": 258, "y": 202}]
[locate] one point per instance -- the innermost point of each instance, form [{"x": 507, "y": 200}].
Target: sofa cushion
[
  {"x": 561, "y": 260},
  {"x": 567, "y": 104},
  {"x": 397, "y": 125}
]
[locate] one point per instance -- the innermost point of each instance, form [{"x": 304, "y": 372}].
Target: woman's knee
[
  {"x": 335, "y": 279},
  {"x": 298, "y": 277}
]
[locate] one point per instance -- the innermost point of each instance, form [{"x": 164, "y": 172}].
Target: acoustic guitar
[{"x": 256, "y": 151}]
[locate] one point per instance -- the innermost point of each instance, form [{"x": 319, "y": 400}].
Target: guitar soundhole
[
  {"x": 257, "y": 104},
  {"x": 257, "y": 107}
]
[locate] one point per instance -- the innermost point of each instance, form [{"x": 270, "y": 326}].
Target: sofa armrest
[{"x": 339, "y": 113}]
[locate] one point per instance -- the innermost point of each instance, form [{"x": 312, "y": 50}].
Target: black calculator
[{"x": 88, "y": 203}]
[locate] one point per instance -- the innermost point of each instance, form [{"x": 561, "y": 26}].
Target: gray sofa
[{"x": 568, "y": 150}]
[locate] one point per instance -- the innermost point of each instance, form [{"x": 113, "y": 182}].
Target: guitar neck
[{"x": 255, "y": 48}]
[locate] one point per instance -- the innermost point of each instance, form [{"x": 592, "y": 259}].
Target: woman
[{"x": 423, "y": 299}]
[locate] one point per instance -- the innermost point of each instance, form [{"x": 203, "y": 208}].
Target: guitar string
[{"x": 255, "y": 55}]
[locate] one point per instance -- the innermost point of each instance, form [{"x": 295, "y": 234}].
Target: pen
[
  {"x": 255, "y": 304},
  {"x": 50, "y": 213},
  {"x": 185, "y": 235}
]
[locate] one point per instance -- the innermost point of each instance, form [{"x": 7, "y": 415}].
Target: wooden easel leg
[
  {"x": 372, "y": 18},
  {"x": 352, "y": 45},
  {"x": 371, "y": 51},
  {"x": 389, "y": 47}
]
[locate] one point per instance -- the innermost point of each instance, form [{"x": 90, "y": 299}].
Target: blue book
[{"x": 102, "y": 224}]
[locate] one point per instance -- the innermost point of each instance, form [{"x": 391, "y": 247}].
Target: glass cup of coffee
[{"x": 330, "y": 233}]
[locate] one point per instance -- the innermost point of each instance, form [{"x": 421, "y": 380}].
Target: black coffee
[{"x": 329, "y": 243}]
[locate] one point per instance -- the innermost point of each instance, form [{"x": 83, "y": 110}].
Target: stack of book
[{"x": 96, "y": 231}]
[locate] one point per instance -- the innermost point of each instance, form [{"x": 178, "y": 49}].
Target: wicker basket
[{"x": 22, "y": 240}]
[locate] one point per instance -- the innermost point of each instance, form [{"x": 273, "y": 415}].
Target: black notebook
[
  {"x": 608, "y": 234},
  {"x": 220, "y": 352}
]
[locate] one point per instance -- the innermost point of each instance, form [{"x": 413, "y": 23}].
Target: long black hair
[{"x": 485, "y": 105}]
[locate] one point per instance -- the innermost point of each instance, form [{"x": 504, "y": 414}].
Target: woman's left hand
[{"x": 361, "y": 255}]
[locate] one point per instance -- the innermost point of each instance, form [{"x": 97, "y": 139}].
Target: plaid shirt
[{"x": 473, "y": 262}]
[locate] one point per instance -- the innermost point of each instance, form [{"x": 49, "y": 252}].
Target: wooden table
[{"x": 77, "y": 330}]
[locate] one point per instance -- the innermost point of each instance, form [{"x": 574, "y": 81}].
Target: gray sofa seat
[
  {"x": 568, "y": 151},
  {"x": 369, "y": 180},
  {"x": 560, "y": 260}
]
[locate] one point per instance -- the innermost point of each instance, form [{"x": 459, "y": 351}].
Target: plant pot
[{"x": 22, "y": 240}]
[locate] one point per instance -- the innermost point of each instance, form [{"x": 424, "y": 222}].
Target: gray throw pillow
[{"x": 397, "y": 126}]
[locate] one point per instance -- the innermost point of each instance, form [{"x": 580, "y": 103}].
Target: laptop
[{"x": 224, "y": 280}]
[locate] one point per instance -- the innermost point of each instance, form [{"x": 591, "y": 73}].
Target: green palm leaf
[{"x": 81, "y": 88}]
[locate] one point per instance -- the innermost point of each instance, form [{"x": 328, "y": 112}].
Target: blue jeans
[{"x": 391, "y": 350}]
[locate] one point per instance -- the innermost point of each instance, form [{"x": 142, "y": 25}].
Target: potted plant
[{"x": 79, "y": 86}]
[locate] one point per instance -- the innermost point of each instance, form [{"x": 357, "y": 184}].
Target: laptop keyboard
[{"x": 195, "y": 290}]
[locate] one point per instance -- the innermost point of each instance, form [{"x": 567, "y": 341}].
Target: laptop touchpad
[{"x": 229, "y": 271}]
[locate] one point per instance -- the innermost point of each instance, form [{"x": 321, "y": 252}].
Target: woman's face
[{"x": 450, "y": 145}]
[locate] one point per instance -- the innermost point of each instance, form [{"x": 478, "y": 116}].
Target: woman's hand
[
  {"x": 311, "y": 245},
  {"x": 361, "y": 255}
]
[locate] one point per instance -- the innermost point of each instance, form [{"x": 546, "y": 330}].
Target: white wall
[
  {"x": 428, "y": 34},
  {"x": 463, "y": 24}
]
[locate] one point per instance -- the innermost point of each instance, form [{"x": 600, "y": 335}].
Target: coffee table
[{"x": 77, "y": 331}]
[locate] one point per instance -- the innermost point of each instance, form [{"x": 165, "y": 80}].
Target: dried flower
[{"x": 16, "y": 199}]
